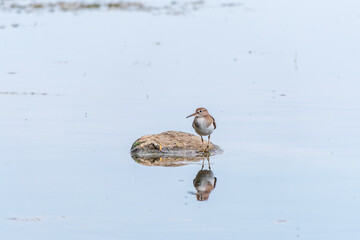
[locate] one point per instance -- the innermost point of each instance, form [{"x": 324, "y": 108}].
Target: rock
[{"x": 171, "y": 148}]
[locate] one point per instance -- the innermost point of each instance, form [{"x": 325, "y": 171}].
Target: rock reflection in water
[
  {"x": 165, "y": 161},
  {"x": 204, "y": 182}
]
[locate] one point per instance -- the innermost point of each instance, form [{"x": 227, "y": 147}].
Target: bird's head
[{"x": 199, "y": 112}]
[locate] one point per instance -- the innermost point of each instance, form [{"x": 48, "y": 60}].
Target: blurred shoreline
[{"x": 171, "y": 7}]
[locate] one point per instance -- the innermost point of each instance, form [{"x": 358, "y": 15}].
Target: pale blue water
[{"x": 281, "y": 80}]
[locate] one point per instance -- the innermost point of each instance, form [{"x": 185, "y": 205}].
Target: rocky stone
[{"x": 171, "y": 148}]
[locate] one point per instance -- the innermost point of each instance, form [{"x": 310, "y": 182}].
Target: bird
[
  {"x": 204, "y": 183},
  {"x": 204, "y": 124}
]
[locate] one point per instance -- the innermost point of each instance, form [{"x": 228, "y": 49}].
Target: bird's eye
[{"x": 200, "y": 111}]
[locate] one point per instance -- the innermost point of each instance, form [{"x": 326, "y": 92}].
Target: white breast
[{"x": 201, "y": 128}]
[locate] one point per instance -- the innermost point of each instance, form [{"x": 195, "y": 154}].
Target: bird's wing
[
  {"x": 195, "y": 124},
  {"x": 214, "y": 122}
]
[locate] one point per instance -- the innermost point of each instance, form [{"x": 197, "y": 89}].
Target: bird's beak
[{"x": 191, "y": 115}]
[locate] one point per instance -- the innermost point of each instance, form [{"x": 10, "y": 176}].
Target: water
[{"x": 281, "y": 80}]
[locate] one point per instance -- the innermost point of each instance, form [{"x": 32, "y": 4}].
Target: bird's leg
[
  {"x": 208, "y": 158},
  {"x": 202, "y": 141},
  {"x": 208, "y": 143},
  {"x": 203, "y": 164}
]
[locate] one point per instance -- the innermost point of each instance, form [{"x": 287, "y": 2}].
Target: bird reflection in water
[{"x": 204, "y": 182}]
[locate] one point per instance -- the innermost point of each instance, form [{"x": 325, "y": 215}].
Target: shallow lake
[{"x": 77, "y": 88}]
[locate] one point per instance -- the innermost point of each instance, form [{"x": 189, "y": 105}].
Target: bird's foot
[
  {"x": 207, "y": 147},
  {"x": 205, "y": 152}
]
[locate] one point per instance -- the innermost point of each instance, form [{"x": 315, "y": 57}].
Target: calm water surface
[{"x": 281, "y": 80}]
